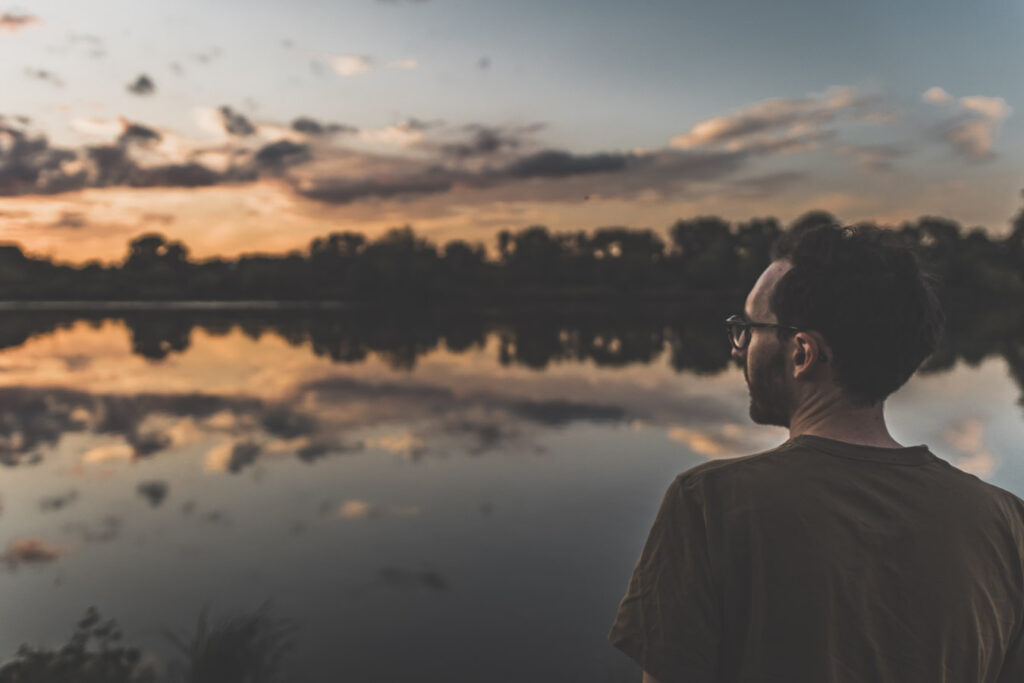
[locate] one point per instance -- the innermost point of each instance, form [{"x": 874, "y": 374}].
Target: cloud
[
  {"x": 967, "y": 436},
  {"x": 415, "y": 158},
  {"x": 99, "y": 454},
  {"x": 405, "y": 64},
  {"x": 235, "y": 123},
  {"x": 140, "y": 156},
  {"x": 137, "y": 133},
  {"x": 309, "y": 126},
  {"x": 351, "y": 65},
  {"x": 553, "y": 163},
  {"x": 994, "y": 108},
  {"x": 143, "y": 85},
  {"x": 970, "y": 131},
  {"x": 105, "y": 128},
  {"x": 22, "y": 551},
  {"x": 153, "y": 491},
  {"x": 232, "y": 456},
  {"x": 936, "y": 95},
  {"x": 730, "y": 440},
  {"x": 402, "y": 443},
  {"x": 474, "y": 141},
  {"x": 798, "y": 118},
  {"x": 878, "y": 157},
  {"x": 13, "y": 22},
  {"x": 411, "y": 133},
  {"x": 360, "y": 509}
]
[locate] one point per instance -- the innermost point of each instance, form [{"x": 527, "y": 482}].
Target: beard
[{"x": 771, "y": 401}]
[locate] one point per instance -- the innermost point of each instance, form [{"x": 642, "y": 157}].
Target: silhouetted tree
[{"x": 703, "y": 248}]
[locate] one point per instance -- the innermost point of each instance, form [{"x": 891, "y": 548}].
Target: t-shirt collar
[{"x": 909, "y": 455}]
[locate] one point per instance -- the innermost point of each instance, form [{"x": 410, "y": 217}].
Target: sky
[{"x": 255, "y": 127}]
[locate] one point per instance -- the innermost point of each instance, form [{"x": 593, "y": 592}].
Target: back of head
[{"x": 865, "y": 292}]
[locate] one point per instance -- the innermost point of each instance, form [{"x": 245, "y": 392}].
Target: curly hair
[{"x": 864, "y": 290}]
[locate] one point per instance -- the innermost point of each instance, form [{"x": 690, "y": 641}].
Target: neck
[{"x": 832, "y": 417}]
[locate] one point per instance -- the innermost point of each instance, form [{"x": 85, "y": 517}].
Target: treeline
[{"x": 702, "y": 254}]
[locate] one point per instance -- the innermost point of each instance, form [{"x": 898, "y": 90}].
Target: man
[{"x": 840, "y": 555}]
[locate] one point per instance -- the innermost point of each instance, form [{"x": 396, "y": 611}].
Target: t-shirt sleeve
[{"x": 669, "y": 620}]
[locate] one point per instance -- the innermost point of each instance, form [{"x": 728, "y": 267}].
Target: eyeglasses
[{"x": 739, "y": 330}]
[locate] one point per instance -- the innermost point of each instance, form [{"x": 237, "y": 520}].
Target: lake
[{"x": 436, "y": 503}]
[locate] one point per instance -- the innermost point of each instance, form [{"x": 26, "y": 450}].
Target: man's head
[{"x": 868, "y": 316}]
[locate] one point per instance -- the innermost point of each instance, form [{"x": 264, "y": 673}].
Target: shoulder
[
  {"x": 1008, "y": 502},
  {"x": 727, "y": 467},
  {"x": 709, "y": 478}
]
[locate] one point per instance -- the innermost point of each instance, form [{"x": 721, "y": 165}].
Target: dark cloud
[
  {"x": 235, "y": 123},
  {"x": 153, "y": 491},
  {"x": 146, "y": 445},
  {"x": 483, "y": 141},
  {"x": 345, "y": 190},
  {"x": 309, "y": 126},
  {"x": 242, "y": 455},
  {"x": 138, "y": 133},
  {"x": 555, "y": 164},
  {"x": 44, "y": 75},
  {"x": 473, "y": 158},
  {"x": 323, "y": 446},
  {"x": 288, "y": 424},
  {"x": 278, "y": 154},
  {"x": 143, "y": 85},
  {"x": 31, "y": 418},
  {"x": 22, "y": 551}
]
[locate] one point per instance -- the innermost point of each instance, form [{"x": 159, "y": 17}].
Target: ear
[{"x": 803, "y": 341}]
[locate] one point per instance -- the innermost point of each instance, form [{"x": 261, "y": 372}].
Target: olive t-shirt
[{"x": 821, "y": 561}]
